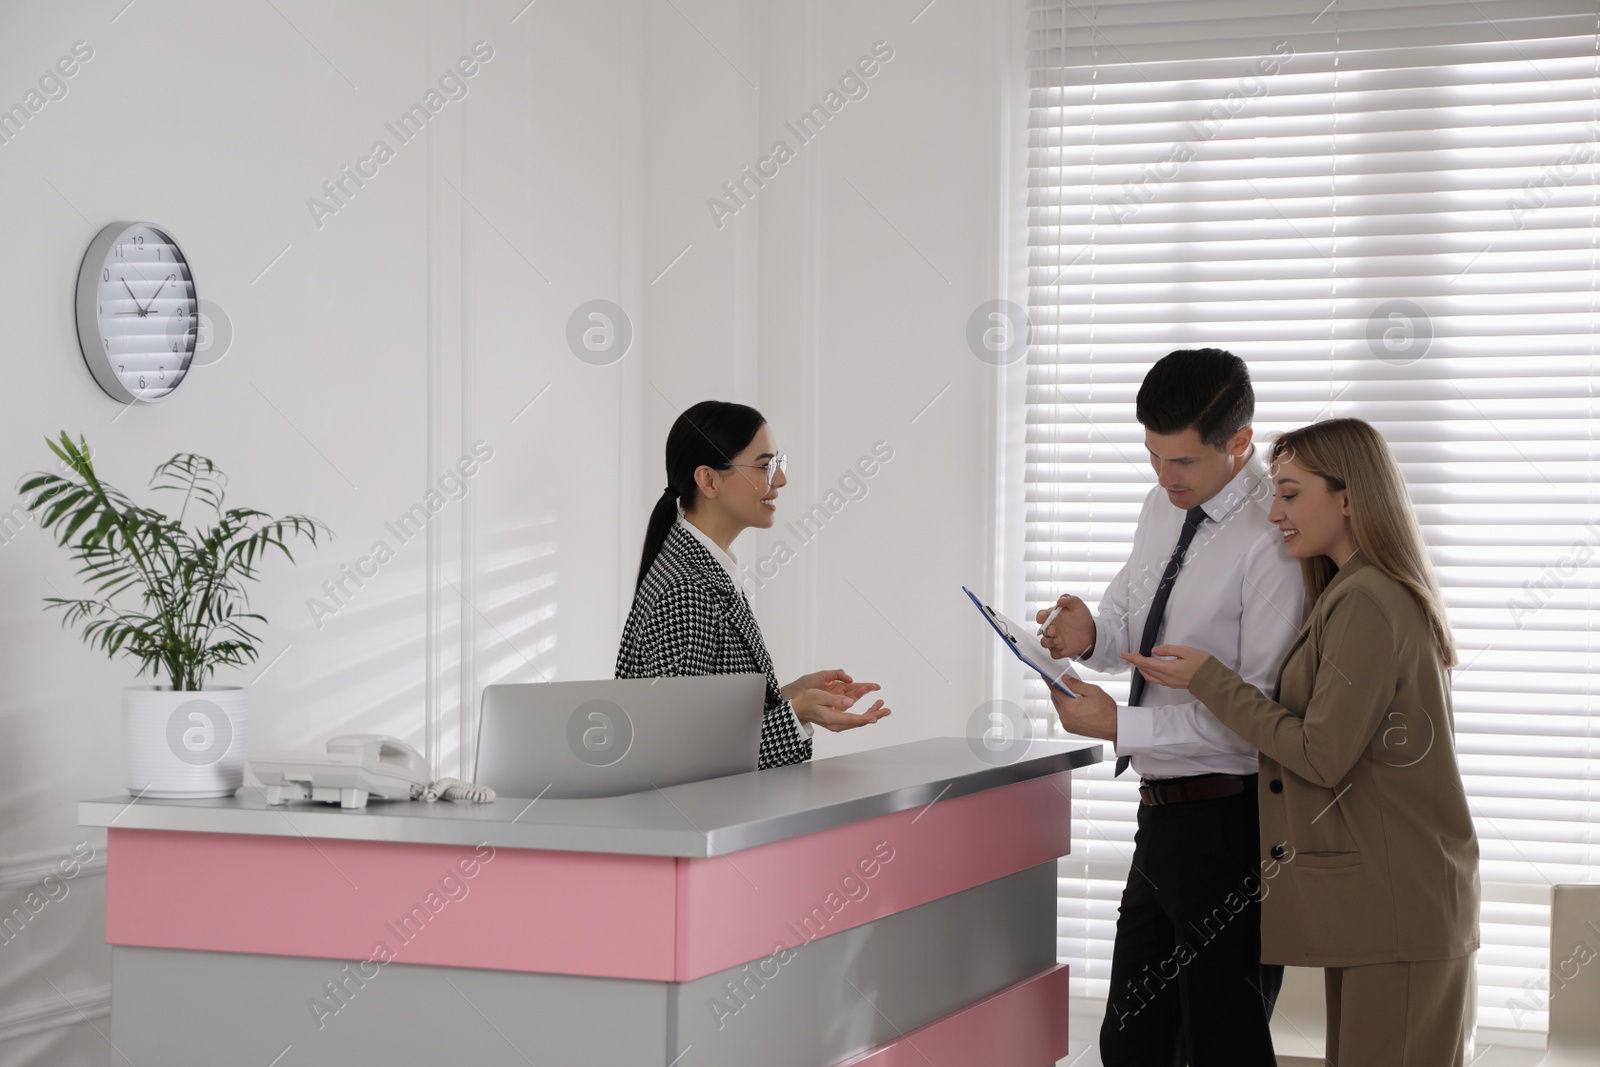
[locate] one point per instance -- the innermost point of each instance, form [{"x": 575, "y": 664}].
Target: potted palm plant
[{"x": 171, "y": 597}]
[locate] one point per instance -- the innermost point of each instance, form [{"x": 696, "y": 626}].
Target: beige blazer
[{"x": 1368, "y": 851}]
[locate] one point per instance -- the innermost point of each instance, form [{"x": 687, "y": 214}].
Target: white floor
[
  {"x": 1513, "y": 1057},
  {"x": 1493, "y": 1057},
  {"x": 1296, "y": 1031},
  {"x": 1085, "y": 1031}
]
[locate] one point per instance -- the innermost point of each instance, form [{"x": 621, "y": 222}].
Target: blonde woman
[{"x": 1370, "y": 862}]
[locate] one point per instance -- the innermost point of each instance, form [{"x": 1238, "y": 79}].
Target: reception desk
[{"x": 881, "y": 908}]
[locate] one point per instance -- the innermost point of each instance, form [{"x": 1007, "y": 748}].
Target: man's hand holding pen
[{"x": 1067, "y": 629}]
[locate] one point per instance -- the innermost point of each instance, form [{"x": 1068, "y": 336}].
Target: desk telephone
[{"x": 355, "y": 767}]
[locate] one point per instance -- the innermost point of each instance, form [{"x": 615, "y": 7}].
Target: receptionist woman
[{"x": 690, "y": 616}]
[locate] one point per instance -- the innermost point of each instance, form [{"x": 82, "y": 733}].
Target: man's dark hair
[{"x": 1205, "y": 389}]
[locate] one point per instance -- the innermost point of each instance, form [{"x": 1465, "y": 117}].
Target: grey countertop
[{"x": 698, "y": 819}]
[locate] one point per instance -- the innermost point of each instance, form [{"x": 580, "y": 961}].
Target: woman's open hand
[
  {"x": 833, "y": 681},
  {"x": 825, "y": 698},
  {"x": 1174, "y": 673}
]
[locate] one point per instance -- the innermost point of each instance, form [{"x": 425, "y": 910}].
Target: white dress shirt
[
  {"x": 1238, "y": 596},
  {"x": 731, "y": 565}
]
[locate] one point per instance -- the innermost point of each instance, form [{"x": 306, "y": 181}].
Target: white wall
[
  {"x": 878, "y": 241},
  {"x": 426, "y": 313}
]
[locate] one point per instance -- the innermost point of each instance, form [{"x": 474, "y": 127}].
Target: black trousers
[{"x": 1187, "y": 982}]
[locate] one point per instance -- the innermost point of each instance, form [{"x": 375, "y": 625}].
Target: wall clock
[{"x": 137, "y": 312}]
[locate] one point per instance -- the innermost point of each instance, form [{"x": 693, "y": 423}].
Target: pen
[{"x": 1048, "y": 619}]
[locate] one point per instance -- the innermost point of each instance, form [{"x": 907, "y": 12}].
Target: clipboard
[{"x": 1026, "y": 647}]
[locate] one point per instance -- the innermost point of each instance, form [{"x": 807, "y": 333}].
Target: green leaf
[{"x": 189, "y": 586}]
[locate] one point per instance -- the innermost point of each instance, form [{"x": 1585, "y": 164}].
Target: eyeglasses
[{"x": 777, "y": 463}]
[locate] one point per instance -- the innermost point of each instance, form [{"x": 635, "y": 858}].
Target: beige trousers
[{"x": 1400, "y": 1014}]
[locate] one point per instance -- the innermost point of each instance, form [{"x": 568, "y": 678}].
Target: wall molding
[
  {"x": 811, "y": 224},
  {"x": 466, "y": 622},
  {"x": 31, "y": 868},
  {"x": 79, "y": 1006},
  {"x": 1006, "y": 547}
]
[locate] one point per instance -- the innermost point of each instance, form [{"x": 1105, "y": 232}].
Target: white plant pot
[{"x": 183, "y": 743}]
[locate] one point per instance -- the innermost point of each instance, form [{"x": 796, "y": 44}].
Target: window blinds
[{"x": 1389, "y": 210}]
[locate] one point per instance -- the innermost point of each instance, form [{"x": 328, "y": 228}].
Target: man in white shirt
[{"x": 1206, "y": 570}]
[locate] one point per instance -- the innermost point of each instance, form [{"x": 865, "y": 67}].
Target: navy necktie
[{"x": 1158, "y": 607}]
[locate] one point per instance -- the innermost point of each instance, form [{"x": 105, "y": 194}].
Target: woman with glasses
[{"x": 690, "y": 616}]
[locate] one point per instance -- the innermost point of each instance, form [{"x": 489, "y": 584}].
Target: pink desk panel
[
  {"x": 735, "y": 908},
  {"x": 614, "y": 916},
  {"x": 519, "y": 910}
]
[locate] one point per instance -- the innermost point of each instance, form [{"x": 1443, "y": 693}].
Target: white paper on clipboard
[{"x": 1026, "y": 647}]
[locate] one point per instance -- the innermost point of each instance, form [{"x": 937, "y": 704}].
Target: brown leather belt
[{"x": 1197, "y": 787}]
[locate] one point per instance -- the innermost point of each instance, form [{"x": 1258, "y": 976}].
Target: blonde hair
[{"x": 1350, "y": 455}]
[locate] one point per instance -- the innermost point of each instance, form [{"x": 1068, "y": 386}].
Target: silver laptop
[{"x": 616, "y": 736}]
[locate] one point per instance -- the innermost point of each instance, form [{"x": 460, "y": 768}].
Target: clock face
[{"x": 137, "y": 312}]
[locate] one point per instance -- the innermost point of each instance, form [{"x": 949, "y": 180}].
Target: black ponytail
[{"x": 709, "y": 434}]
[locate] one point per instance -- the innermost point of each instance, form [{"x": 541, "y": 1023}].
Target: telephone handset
[
  {"x": 391, "y": 752},
  {"x": 354, "y": 767}
]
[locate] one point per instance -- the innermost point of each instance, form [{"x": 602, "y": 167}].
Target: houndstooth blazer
[{"x": 689, "y": 618}]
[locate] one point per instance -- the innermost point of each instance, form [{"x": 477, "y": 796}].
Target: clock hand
[
  {"x": 145, "y": 310},
  {"x": 157, "y": 293},
  {"x": 128, "y": 287}
]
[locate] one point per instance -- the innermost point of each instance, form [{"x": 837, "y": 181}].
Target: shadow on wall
[{"x": 373, "y": 649}]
